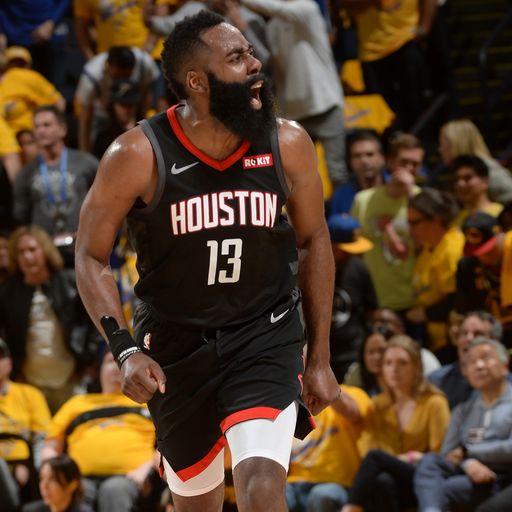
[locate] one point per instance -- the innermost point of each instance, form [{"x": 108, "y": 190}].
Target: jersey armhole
[
  {"x": 278, "y": 165},
  {"x": 150, "y": 134}
]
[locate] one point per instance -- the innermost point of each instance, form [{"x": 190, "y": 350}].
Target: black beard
[{"x": 230, "y": 103}]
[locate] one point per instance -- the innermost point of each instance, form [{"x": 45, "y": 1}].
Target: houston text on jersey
[{"x": 228, "y": 208}]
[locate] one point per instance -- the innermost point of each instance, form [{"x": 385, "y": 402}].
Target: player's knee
[{"x": 259, "y": 479}]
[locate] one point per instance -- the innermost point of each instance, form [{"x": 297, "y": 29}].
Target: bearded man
[{"x": 218, "y": 348}]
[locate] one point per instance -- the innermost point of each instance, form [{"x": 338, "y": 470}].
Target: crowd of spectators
[{"x": 422, "y": 313}]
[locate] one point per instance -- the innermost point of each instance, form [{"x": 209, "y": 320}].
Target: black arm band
[{"x": 121, "y": 343}]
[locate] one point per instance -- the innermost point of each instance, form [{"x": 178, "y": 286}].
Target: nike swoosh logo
[
  {"x": 274, "y": 319},
  {"x": 178, "y": 170}
]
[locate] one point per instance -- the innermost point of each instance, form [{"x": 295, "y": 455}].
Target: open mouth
[{"x": 255, "y": 95}]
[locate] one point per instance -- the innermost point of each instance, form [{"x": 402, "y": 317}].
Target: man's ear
[{"x": 196, "y": 81}]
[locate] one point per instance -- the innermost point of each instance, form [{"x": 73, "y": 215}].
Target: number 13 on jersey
[{"x": 231, "y": 247}]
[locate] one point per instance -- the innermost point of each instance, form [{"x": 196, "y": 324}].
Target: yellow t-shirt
[
  {"x": 105, "y": 446},
  {"x": 117, "y": 22},
  {"x": 423, "y": 433},
  {"x": 21, "y": 91},
  {"x": 384, "y": 29},
  {"x": 8, "y": 142},
  {"x": 391, "y": 276},
  {"x": 329, "y": 453},
  {"x": 493, "y": 209},
  {"x": 23, "y": 411},
  {"x": 434, "y": 278}
]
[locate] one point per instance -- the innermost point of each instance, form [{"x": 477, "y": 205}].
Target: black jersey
[{"x": 213, "y": 248}]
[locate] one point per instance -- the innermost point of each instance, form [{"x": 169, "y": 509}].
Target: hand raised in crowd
[
  {"x": 43, "y": 32},
  {"x": 141, "y": 378}
]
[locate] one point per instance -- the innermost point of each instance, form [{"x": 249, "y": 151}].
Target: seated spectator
[
  {"x": 323, "y": 466},
  {"x": 408, "y": 419},
  {"x": 36, "y": 199},
  {"x": 366, "y": 165},
  {"x": 430, "y": 214},
  {"x": 485, "y": 272},
  {"x": 28, "y": 146},
  {"x": 475, "y": 459},
  {"x": 123, "y": 111},
  {"x": 462, "y": 137},
  {"x": 24, "y": 418},
  {"x": 366, "y": 372},
  {"x": 471, "y": 185},
  {"x": 354, "y": 295},
  {"x": 449, "y": 378},
  {"x": 60, "y": 486},
  {"x": 94, "y": 90},
  {"x": 45, "y": 324},
  {"x": 382, "y": 213},
  {"x": 21, "y": 91},
  {"x": 111, "y": 438}
]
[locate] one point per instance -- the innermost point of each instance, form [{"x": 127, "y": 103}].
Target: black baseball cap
[
  {"x": 480, "y": 230},
  {"x": 345, "y": 232}
]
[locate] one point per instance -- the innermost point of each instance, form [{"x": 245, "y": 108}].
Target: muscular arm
[
  {"x": 316, "y": 265},
  {"x": 126, "y": 172}
]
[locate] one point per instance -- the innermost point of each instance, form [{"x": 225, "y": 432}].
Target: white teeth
[{"x": 257, "y": 85}]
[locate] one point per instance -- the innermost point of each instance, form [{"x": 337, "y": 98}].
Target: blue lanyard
[{"x": 63, "y": 165}]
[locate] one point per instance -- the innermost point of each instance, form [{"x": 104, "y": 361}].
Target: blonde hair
[
  {"x": 421, "y": 385},
  {"x": 51, "y": 253},
  {"x": 464, "y": 138}
]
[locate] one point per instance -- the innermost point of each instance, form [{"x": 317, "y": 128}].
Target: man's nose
[{"x": 254, "y": 66}]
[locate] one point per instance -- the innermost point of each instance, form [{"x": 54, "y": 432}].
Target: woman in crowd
[
  {"x": 409, "y": 418},
  {"x": 366, "y": 372},
  {"x": 60, "y": 486},
  {"x": 462, "y": 137},
  {"x": 430, "y": 215},
  {"x": 44, "y": 321}
]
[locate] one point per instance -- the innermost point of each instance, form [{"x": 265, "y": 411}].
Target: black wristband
[{"x": 121, "y": 343}]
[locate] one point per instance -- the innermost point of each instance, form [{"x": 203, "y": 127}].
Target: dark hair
[
  {"x": 435, "y": 203},
  {"x": 473, "y": 162},
  {"x": 65, "y": 470},
  {"x": 368, "y": 379},
  {"x": 363, "y": 135},
  {"x": 22, "y": 132},
  {"x": 121, "y": 56},
  {"x": 181, "y": 45},
  {"x": 53, "y": 110}
]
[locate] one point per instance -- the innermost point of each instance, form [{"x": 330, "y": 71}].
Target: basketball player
[{"x": 218, "y": 341}]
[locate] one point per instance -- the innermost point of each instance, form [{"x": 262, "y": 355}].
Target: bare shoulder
[
  {"x": 128, "y": 161},
  {"x": 297, "y": 150}
]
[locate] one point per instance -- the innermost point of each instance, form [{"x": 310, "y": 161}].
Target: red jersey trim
[
  {"x": 219, "y": 165},
  {"x": 267, "y": 413},
  {"x": 200, "y": 466}
]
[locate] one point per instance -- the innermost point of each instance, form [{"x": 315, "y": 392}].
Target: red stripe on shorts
[
  {"x": 200, "y": 466},
  {"x": 254, "y": 413}
]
